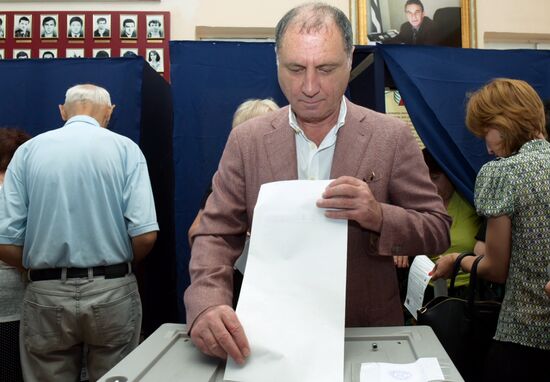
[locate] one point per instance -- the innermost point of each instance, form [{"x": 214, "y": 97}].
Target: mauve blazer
[{"x": 375, "y": 147}]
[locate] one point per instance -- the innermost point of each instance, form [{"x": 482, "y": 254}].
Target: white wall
[
  {"x": 527, "y": 16},
  {"x": 186, "y": 14}
]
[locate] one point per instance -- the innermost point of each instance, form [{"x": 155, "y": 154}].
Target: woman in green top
[{"x": 513, "y": 192}]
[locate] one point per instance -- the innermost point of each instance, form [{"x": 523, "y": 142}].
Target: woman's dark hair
[{"x": 10, "y": 140}]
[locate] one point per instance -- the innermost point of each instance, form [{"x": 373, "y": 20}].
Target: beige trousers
[{"x": 58, "y": 317}]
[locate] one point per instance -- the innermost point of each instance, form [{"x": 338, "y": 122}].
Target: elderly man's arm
[
  {"x": 142, "y": 245},
  {"x": 12, "y": 255}
]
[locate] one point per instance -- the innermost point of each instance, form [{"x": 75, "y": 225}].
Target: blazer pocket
[{"x": 372, "y": 177}]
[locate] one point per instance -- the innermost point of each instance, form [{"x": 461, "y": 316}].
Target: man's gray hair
[
  {"x": 88, "y": 93},
  {"x": 317, "y": 15}
]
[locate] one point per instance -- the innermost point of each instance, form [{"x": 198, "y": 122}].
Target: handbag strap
[
  {"x": 456, "y": 268},
  {"x": 473, "y": 281}
]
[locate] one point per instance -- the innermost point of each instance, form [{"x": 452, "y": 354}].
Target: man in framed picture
[
  {"x": 23, "y": 27},
  {"x": 419, "y": 29},
  {"x": 128, "y": 29},
  {"x": 2, "y": 34},
  {"x": 76, "y": 27},
  {"x": 102, "y": 29},
  {"x": 49, "y": 27}
]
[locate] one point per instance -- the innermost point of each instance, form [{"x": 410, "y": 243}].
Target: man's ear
[{"x": 63, "y": 113}]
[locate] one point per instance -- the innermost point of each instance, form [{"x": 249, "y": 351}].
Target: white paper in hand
[{"x": 292, "y": 301}]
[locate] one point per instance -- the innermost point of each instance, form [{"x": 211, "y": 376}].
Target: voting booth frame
[{"x": 182, "y": 127}]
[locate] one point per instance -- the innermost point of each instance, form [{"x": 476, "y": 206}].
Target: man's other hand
[
  {"x": 351, "y": 198},
  {"x": 218, "y": 332}
]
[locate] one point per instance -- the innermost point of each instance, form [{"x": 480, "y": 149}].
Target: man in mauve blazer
[{"x": 375, "y": 152}]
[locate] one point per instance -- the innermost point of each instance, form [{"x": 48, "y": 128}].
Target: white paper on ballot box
[{"x": 292, "y": 301}]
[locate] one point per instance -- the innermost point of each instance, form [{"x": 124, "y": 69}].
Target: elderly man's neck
[{"x": 97, "y": 112}]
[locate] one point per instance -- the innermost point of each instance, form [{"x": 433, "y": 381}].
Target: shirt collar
[
  {"x": 339, "y": 123},
  {"x": 84, "y": 119}
]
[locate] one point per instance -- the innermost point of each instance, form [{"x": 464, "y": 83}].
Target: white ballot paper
[
  {"x": 423, "y": 370},
  {"x": 293, "y": 297},
  {"x": 418, "y": 281}
]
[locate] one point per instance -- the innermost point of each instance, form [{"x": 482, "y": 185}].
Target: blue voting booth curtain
[
  {"x": 33, "y": 89},
  {"x": 209, "y": 81},
  {"x": 435, "y": 83}
]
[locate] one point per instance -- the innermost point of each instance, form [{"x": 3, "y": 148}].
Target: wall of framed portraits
[{"x": 85, "y": 34}]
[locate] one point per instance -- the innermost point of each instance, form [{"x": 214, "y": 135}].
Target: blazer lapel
[
  {"x": 351, "y": 144},
  {"x": 280, "y": 145}
]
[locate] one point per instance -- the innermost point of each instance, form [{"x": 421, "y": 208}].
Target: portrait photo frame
[
  {"x": 46, "y": 30},
  {"x": 3, "y": 29},
  {"x": 99, "y": 21},
  {"x": 155, "y": 27},
  {"x": 74, "y": 53},
  {"x": 22, "y": 26},
  {"x": 101, "y": 53},
  {"x": 2, "y": 54},
  {"x": 155, "y": 58},
  {"x": 129, "y": 52},
  {"x": 382, "y": 20},
  {"x": 127, "y": 32},
  {"x": 49, "y": 52},
  {"x": 19, "y": 54},
  {"x": 74, "y": 33}
]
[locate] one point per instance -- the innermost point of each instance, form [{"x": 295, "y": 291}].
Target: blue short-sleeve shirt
[{"x": 74, "y": 197}]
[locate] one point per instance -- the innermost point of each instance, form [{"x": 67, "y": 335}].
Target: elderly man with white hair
[{"x": 76, "y": 210}]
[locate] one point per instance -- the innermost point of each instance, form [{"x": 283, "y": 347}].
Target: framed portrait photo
[
  {"x": 22, "y": 27},
  {"x": 415, "y": 22},
  {"x": 2, "y": 54},
  {"x": 21, "y": 54},
  {"x": 155, "y": 58},
  {"x": 129, "y": 52},
  {"x": 102, "y": 26},
  {"x": 48, "y": 26},
  {"x": 155, "y": 26},
  {"x": 47, "y": 53},
  {"x": 2, "y": 26},
  {"x": 75, "y": 26},
  {"x": 128, "y": 27},
  {"x": 101, "y": 53},
  {"x": 74, "y": 53}
]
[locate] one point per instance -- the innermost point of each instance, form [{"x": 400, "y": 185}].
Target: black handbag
[{"x": 465, "y": 328}]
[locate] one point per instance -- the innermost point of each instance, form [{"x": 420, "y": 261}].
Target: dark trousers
[{"x": 10, "y": 362}]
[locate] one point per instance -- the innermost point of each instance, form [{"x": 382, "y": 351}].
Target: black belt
[{"x": 109, "y": 271}]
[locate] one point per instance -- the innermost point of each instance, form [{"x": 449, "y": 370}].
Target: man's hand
[
  {"x": 401, "y": 261},
  {"x": 351, "y": 198},
  {"x": 443, "y": 268},
  {"x": 218, "y": 332}
]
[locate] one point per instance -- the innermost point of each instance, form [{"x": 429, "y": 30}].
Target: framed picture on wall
[
  {"x": 2, "y": 54},
  {"x": 155, "y": 58},
  {"x": 129, "y": 52},
  {"x": 102, "y": 26},
  {"x": 155, "y": 26},
  {"x": 2, "y": 26},
  {"x": 75, "y": 26},
  {"x": 74, "y": 53},
  {"x": 417, "y": 22},
  {"x": 128, "y": 27},
  {"x": 21, "y": 54},
  {"x": 22, "y": 26},
  {"x": 48, "y": 26},
  {"x": 101, "y": 53},
  {"x": 47, "y": 53}
]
